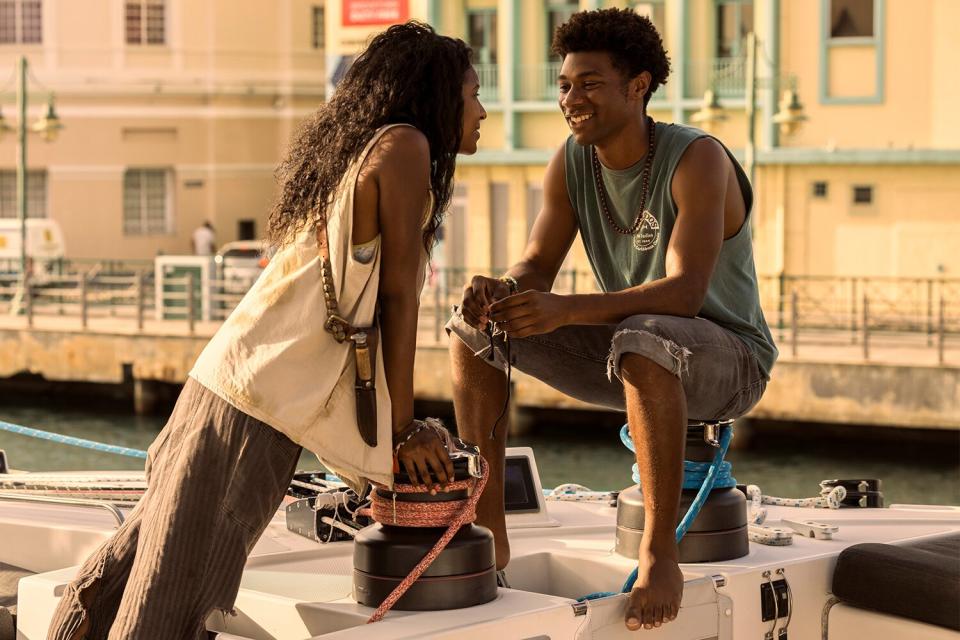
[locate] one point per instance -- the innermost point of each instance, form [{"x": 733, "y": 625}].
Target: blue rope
[
  {"x": 694, "y": 473},
  {"x": 700, "y": 475},
  {"x": 70, "y": 440}
]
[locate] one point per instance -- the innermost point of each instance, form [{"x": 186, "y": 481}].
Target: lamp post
[
  {"x": 48, "y": 127},
  {"x": 789, "y": 116}
]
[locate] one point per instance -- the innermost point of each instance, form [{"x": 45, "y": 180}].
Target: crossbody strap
[{"x": 336, "y": 325}]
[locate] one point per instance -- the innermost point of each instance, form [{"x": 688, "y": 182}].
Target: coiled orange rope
[{"x": 454, "y": 514}]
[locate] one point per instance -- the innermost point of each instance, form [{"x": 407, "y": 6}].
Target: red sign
[{"x": 373, "y": 12}]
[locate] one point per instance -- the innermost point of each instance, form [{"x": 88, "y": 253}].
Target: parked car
[
  {"x": 239, "y": 263},
  {"x": 45, "y": 247}
]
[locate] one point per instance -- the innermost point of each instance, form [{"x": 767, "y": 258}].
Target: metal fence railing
[
  {"x": 855, "y": 304},
  {"x": 489, "y": 75},
  {"x": 834, "y": 310},
  {"x": 726, "y": 76}
]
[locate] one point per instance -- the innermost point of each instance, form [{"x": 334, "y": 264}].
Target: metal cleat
[{"x": 812, "y": 528}]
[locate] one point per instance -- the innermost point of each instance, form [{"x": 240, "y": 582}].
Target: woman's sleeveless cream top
[{"x": 273, "y": 359}]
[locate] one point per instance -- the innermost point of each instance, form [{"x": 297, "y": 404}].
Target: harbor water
[{"x": 784, "y": 460}]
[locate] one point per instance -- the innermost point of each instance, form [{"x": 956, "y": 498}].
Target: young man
[{"x": 678, "y": 330}]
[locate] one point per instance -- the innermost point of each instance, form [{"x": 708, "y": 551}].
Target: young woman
[{"x": 370, "y": 175}]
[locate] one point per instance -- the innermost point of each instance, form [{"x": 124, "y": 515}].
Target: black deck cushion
[{"x": 918, "y": 580}]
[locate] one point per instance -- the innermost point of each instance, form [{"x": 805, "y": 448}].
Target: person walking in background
[
  {"x": 204, "y": 240},
  {"x": 363, "y": 192}
]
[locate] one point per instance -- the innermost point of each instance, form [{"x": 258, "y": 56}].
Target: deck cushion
[{"x": 919, "y": 580}]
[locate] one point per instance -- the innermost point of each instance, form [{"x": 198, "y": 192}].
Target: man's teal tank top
[{"x": 621, "y": 261}]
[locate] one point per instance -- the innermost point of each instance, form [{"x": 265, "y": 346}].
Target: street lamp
[
  {"x": 48, "y": 127},
  {"x": 710, "y": 112},
  {"x": 789, "y": 117}
]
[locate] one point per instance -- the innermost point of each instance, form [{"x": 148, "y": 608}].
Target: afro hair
[{"x": 631, "y": 40}]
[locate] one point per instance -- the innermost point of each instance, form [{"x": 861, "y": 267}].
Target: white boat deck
[{"x": 296, "y": 588}]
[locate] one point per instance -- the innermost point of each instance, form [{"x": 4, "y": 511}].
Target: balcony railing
[
  {"x": 489, "y": 82},
  {"x": 726, "y": 76},
  {"x": 538, "y": 82}
]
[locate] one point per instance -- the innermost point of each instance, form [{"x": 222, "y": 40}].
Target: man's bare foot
[{"x": 656, "y": 595}]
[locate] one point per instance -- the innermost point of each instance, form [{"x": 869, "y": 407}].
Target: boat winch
[
  {"x": 410, "y": 524},
  {"x": 715, "y": 532}
]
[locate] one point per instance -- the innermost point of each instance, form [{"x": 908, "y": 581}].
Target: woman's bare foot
[{"x": 656, "y": 595}]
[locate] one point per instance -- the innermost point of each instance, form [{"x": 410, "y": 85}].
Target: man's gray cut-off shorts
[{"x": 721, "y": 377}]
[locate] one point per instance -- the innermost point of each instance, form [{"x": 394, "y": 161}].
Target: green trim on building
[
  {"x": 913, "y": 157},
  {"x": 878, "y": 42},
  {"x": 771, "y": 131},
  {"x": 504, "y": 157},
  {"x": 511, "y": 123},
  {"x": 773, "y": 157},
  {"x": 682, "y": 31}
]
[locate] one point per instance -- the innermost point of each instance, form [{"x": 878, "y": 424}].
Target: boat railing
[{"x": 77, "y": 502}]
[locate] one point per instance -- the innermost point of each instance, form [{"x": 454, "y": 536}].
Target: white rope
[
  {"x": 776, "y": 536},
  {"x": 829, "y": 498},
  {"x": 572, "y": 492}
]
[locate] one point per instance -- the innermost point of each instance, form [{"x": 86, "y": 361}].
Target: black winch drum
[
  {"x": 463, "y": 575},
  {"x": 719, "y": 532}
]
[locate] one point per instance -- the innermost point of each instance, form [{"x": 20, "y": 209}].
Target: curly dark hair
[
  {"x": 631, "y": 40},
  {"x": 408, "y": 74}
]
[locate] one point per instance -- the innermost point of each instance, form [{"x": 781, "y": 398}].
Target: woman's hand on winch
[{"x": 421, "y": 448}]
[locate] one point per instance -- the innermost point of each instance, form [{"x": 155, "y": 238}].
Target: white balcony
[
  {"x": 726, "y": 76},
  {"x": 489, "y": 82},
  {"x": 538, "y": 82}
]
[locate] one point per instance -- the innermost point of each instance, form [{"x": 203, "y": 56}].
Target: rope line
[
  {"x": 694, "y": 473},
  {"x": 705, "y": 476},
  {"x": 467, "y": 514},
  {"x": 72, "y": 441}
]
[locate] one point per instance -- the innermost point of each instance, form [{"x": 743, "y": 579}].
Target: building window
[
  {"x": 36, "y": 194},
  {"x": 147, "y": 203},
  {"x": 499, "y": 224},
  {"x": 482, "y": 35},
  {"x": 734, "y": 22},
  {"x": 319, "y": 25},
  {"x": 862, "y": 194},
  {"x": 852, "y": 44},
  {"x": 246, "y": 229},
  {"x": 656, "y": 10},
  {"x": 558, "y": 12},
  {"x": 146, "y": 22},
  {"x": 851, "y": 18},
  {"x": 453, "y": 253},
  {"x": 21, "y": 22},
  {"x": 534, "y": 205},
  {"x": 820, "y": 189}
]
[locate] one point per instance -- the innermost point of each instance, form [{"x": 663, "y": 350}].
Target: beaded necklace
[{"x": 602, "y": 190}]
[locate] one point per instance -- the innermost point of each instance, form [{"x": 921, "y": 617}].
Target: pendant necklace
[{"x": 640, "y": 242}]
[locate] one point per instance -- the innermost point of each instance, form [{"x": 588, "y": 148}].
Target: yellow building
[
  {"x": 177, "y": 111},
  {"x": 174, "y": 112},
  {"x": 868, "y": 186}
]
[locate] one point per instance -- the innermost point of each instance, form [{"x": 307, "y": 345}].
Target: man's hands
[
  {"x": 531, "y": 313},
  {"x": 478, "y": 295},
  {"x": 520, "y": 315}
]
